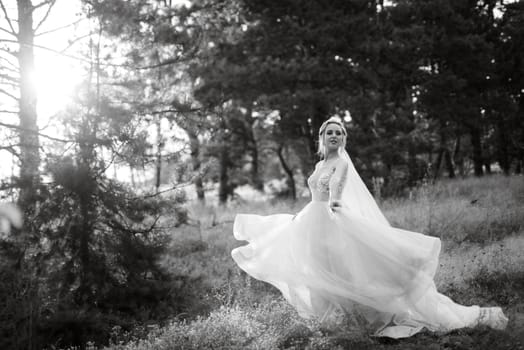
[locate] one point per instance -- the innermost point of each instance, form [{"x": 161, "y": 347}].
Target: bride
[{"x": 340, "y": 254}]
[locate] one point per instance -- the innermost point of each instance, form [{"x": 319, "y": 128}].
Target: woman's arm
[{"x": 337, "y": 183}]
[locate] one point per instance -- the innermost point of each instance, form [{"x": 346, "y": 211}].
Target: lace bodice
[{"x": 326, "y": 183}]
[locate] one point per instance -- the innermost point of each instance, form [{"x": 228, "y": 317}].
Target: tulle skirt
[{"x": 325, "y": 262}]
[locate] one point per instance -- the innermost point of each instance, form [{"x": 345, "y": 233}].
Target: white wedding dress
[{"x": 325, "y": 262}]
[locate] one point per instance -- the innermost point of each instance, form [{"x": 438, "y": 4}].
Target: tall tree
[
  {"x": 29, "y": 151},
  {"x": 20, "y": 79}
]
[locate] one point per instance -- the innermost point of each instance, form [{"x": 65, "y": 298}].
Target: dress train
[{"x": 324, "y": 262}]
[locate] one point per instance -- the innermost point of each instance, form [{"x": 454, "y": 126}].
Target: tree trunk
[
  {"x": 223, "y": 189},
  {"x": 405, "y": 105},
  {"x": 85, "y": 193},
  {"x": 438, "y": 163},
  {"x": 194, "y": 145},
  {"x": 249, "y": 133},
  {"x": 29, "y": 141},
  {"x": 458, "y": 157},
  {"x": 502, "y": 146},
  {"x": 255, "y": 173},
  {"x": 302, "y": 150},
  {"x": 477, "y": 150},
  {"x": 441, "y": 153},
  {"x": 289, "y": 172},
  {"x": 449, "y": 164},
  {"x": 430, "y": 167},
  {"x": 313, "y": 128},
  {"x": 160, "y": 145},
  {"x": 132, "y": 171},
  {"x": 487, "y": 166},
  {"x": 519, "y": 152},
  {"x": 412, "y": 164},
  {"x": 85, "y": 230}
]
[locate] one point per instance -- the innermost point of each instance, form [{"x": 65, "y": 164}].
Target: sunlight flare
[{"x": 55, "y": 79}]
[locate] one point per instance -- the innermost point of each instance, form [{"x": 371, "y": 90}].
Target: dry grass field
[{"x": 480, "y": 222}]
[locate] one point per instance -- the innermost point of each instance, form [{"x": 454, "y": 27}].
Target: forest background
[{"x": 189, "y": 105}]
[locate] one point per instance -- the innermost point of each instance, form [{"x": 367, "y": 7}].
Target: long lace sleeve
[{"x": 338, "y": 181}]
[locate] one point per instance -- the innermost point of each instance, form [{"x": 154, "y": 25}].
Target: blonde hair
[{"x": 322, "y": 135}]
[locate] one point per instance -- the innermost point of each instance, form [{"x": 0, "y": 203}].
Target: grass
[
  {"x": 480, "y": 222},
  {"x": 475, "y": 209}
]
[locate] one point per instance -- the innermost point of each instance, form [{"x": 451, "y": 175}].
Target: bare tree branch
[
  {"x": 174, "y": 110},
  {"x": 173, "y": 188},
  {"x": 13, "y": 54},
  {"x": 59, "y": 28},
  {"x": 8, "y": 186},
  {"x": 11, "y": 58},
  {"x": 9, "y": 78},
  {"x": 54, "y": 51},
  {"x": 43, "y": 3},
  {"x": 2, "y": 91},
  {"x": 14, "y": 66},
  {"x": 51, "y": 4},
  {"x": 9, "y": 82},
  {"x": 16, "y": 127},
  {"x": 74, "y": 41},
  {"x": 169, "y": 61},
  {"x": 10, "y": 112},
  {"x": 10, "y": 70},
  {"x": 114, "y": 224},
  {"x": 10, "y": 149},
  {"x": 7, "y": 17},
  {"x": 7, "y": 31}
]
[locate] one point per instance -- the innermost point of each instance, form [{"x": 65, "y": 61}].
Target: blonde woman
[{"x": 339, "y": 253}]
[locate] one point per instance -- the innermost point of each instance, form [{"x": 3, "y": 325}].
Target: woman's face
[{"x": 333, "y": 137}]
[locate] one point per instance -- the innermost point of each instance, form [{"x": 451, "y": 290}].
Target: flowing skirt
[{"x": 324, "y": 262}]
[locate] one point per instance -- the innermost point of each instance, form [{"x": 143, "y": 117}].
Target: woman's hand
[{"x": 335, "y": 205}]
